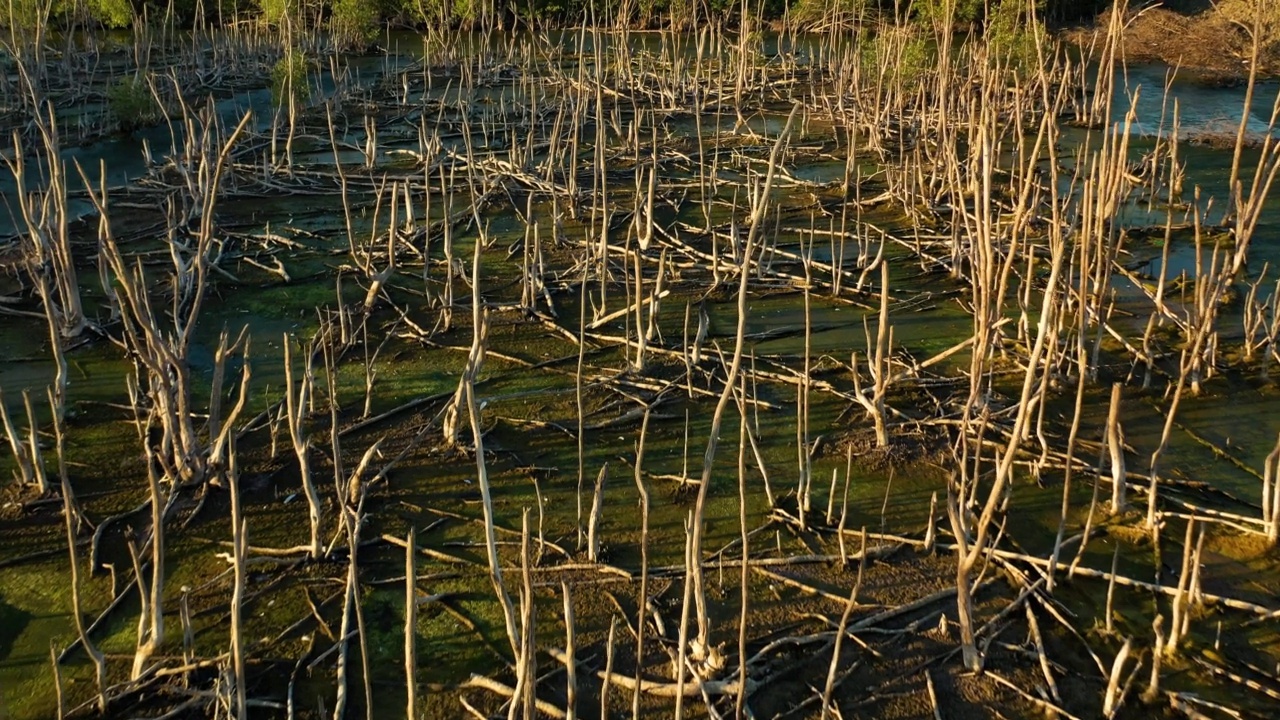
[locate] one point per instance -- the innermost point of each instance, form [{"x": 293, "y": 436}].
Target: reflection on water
[
  {"x": 1201, "y": 108},
  {"x": 123, "y": 155}
]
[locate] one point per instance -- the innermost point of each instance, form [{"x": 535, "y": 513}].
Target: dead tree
[
  {"x": 161, "y": 350},
  {"x": 701, "y": 646},
  {"x": 47, "y": 253},
  {"x": 881, "y": 377},
  {"x": 295, "y": 411}
]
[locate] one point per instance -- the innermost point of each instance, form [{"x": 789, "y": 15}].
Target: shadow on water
[{"x": 13, "y": 622}]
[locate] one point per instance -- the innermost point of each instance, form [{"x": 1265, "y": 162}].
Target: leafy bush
[
  {"x": 355, "y": 22},
  {"x": 816, "y": 12},
  {"x": 962, "y": 11},
  {"x": 1012, "y": 35},
  {"x": 21, "y": 14},
  {"x": 904, "y": 54},
  {"x": 131, "y": 103},
  {"x": 278, "y": 12},
  {"x": 465, "y": 10},
  {"x": 423, "y": 12},
  {"x": 289, "y": 78},
  {"x": 112, "y": 13}
]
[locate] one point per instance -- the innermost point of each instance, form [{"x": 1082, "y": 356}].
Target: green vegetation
[
  {"x": 957, "y": 11},
  {"x": 278, "y": 12},
  {"x": 355, "y": 22},
  {"x": 132, "y": 103},
  {"x": 1012, "y": 34},
  {"x": 112, "y": 13},
  {"x": 28, "y": 14},
  {"x": 900, "y": 54},
  {"x": 818, "y": 12},
  {"x": 21, "y": 14},
  {"x": 289, "y": 78},
  {"x": 423, "y": 12}
]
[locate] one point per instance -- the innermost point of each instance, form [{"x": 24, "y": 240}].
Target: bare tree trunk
[
  {"x": 72, "y": 517},
  {"x": 597, "y": 511},
  {"x": 295, "y": 410},
  {"x": 702, "y": 643},
  {"x": 21, "y": 456},
  {"x": 1115, "y": 446},
  {"x": 152, "y": 635},
  {"x": 881, "y": 375},
  {"x": 1271, "y": 494},
  {"x": 411, "y": 626},
  {"x": 490, "y": 538},
  {"x": 239, "y": 542},
  {"x": 571, "y": 665},
  {"x": 642, "y": 603}
]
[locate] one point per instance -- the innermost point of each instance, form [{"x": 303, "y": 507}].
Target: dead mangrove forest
[{"x": 876, "y": 372}]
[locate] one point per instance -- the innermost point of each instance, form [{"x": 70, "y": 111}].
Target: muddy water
[{"x": 536, "y": 466}]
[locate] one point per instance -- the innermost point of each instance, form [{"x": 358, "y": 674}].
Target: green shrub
[
  {"x": 816, "y": 12},
  {"x": 465, "y": 10},
  {"x": 278, "y": 12},
  {"x": 903, "y": 54},
  {"x": 112, "y": 13},
  {"x": 1011, "y": 34},
  {"x": 131, "y": 103},
  {"x": 423, "y": 12},
  {"x": 289, "y": 78},
  {"x": 354, "y": 23},
  {"x": 21, "y": 14},
  {"x": 962, "y": 11}
]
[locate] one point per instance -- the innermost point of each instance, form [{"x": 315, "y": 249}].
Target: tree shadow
[{"x": 12, "y": 622}]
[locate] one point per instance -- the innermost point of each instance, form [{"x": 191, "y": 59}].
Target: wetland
[{"x": 590, "y": 372}]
